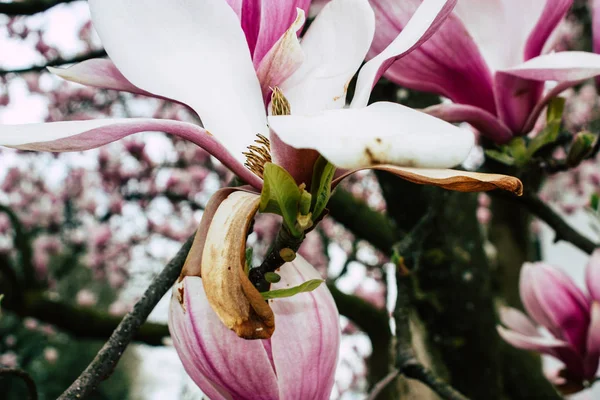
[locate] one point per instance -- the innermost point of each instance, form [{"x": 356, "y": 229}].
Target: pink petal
[
  {"x": 592, "y": 275},
  {"x": 424, "y": 23},
  {"x": 485, "y": 122},
  {"x": 595, "y": 5},
  {"x": 334, "y": 47},
  {"x": 275, "y": 19},
  {"x": 551, "y": 346},
  {"x": 307, "y": 338},
  {"x": 449, "y": 63},
  {"x": 99, "y": 72},
  {"x": 519, "y": 89},
  {"x": 554, "y": 12},
  {"x": 517, "y": 321},
  {"x": 283, "y": 59},
  {"x": 298, "y": 162},
  {"x": 212, "y": 353},
  {"x": 593, "y": 343},
  {"x": 554, "y": 301},
  {"x": 85, "y": 135},
  {"x": 201, "y": 60}
]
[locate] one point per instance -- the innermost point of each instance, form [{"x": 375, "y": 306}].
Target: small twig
[
  {"x": 382, "y": 384},
  {"x": 31, "y": 7},
  {"x": 543, "y": 211},
  {"x": 273, "y": 260},
  {"x": 56, "y": 62},
  {"x": 105, "y": 361},
  {"x": 24, "y": 376}
]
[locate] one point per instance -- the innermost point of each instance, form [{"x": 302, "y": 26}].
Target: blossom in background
[
  {"x": 554, "y": 302},
  {"x": 487, "y": 58}
]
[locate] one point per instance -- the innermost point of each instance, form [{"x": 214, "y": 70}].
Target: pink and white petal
[
  {"x": 553, "y": 300},
  {"x": 516, "y": 99},
  {"x": 85, "y": 135},
  {"x": 449, "y": 63},
  {"x": 545, "y": 345},
  {"x": 298, "y": 162},
  {"x": 450, "y": 179},
  {"x": 554, "y": 11},
  {"x": 283, "y": 59},
  {"x": 486, "y": 123},
  {"x": 275, "y": 19},
  {"x": 592, "y": 275},
  {"x": 334, "y": 48},
  {"x": 382, "y": 133},
  {"x": 519, "y": 89},
  {"x": 541, "y": 104},
  {"x": 201, "y": 60},
  {"x": 515, "y": 320},
  {"x": 593, "y": 343},
  {"x": 100, "y": 73},
  {"x": 595, "y": 8},
  {"x": 240, "y": 368},
  {"x": 306, "y": 342},
  {"x": 424, "y": 23},
  {"x": 500, "y": 28}
]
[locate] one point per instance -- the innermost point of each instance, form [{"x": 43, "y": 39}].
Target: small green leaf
[
  {"x": 581, "y": 147},
  {"x": 320, "y": 187},
  {"x": 500, "y": 156},
  {"x": 595, "y": 201},
  {"x": 307, "y": 286},
  {"x": 555, "y": 110},
  {"x": 249, "y": 253},
  {"x": 272, "y": 277},
  {"x": 280, "y": 195},
  {"x": 518, "y": 150},
  {"x": 305, "y": 202}
]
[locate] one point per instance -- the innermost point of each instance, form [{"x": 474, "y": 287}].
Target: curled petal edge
[
  {"x": 218, "y": 256},
  {"x": 451, "y": 179}
]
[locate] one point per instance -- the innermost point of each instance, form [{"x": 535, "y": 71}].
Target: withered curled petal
[
  {"x": 451, "y": 179},
  {"x": 222, "y": 259}
]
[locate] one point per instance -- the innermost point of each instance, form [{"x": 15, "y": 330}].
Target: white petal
[
  {"x": 424, "y": 22},
  {"x": 500, "y": 27},
  {"x": 194, "y": 52},
  {"x": 380, "y": 133},
  {"x": 334, "y": 48}
]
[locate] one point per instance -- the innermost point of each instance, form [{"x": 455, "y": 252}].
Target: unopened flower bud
[{"x": 581, "y": 147}]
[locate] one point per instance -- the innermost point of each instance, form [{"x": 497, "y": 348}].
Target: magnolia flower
[
  {"x": 556, "y": 303},
  {"x": 487, "y": 58}
]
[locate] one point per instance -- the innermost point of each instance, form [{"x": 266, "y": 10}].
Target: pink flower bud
[
  {"x": 556, "y": 303},
  {"x": 297, "y": 362}
]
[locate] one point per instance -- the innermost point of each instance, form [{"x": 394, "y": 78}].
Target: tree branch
[
  {"x": 24, "y": 376},
  {"x": 107, "y": 358},
  {"x": 543, "y": 211},
  {"x": 56, "y": 62}
]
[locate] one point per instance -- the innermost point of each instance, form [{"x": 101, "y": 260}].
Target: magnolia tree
[{"x": 308, "y": 163}]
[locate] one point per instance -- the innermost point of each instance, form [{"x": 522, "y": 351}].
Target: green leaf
[
  {"x": 555, "y": 110},
  {"x": 307, "y": 286},
  {"x": 550, "y": 133},
  {"x": 320, "y": 187},
  {"x": 249, "y": 253},
  {"x": 595, "y": 201},
  {"x": 280, "y": 195},
  {"x": 500, "y": 156},
  {"x": 518, "y": 150}
]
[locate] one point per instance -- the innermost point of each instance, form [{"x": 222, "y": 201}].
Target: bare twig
[
  {"x": 24, "y": 376},
  {"x": 543, "y": 211},
  {"x": 55, "y": 62},
  {"x": 30, "y": 7},
  {"x": 106, "y": 359}
]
